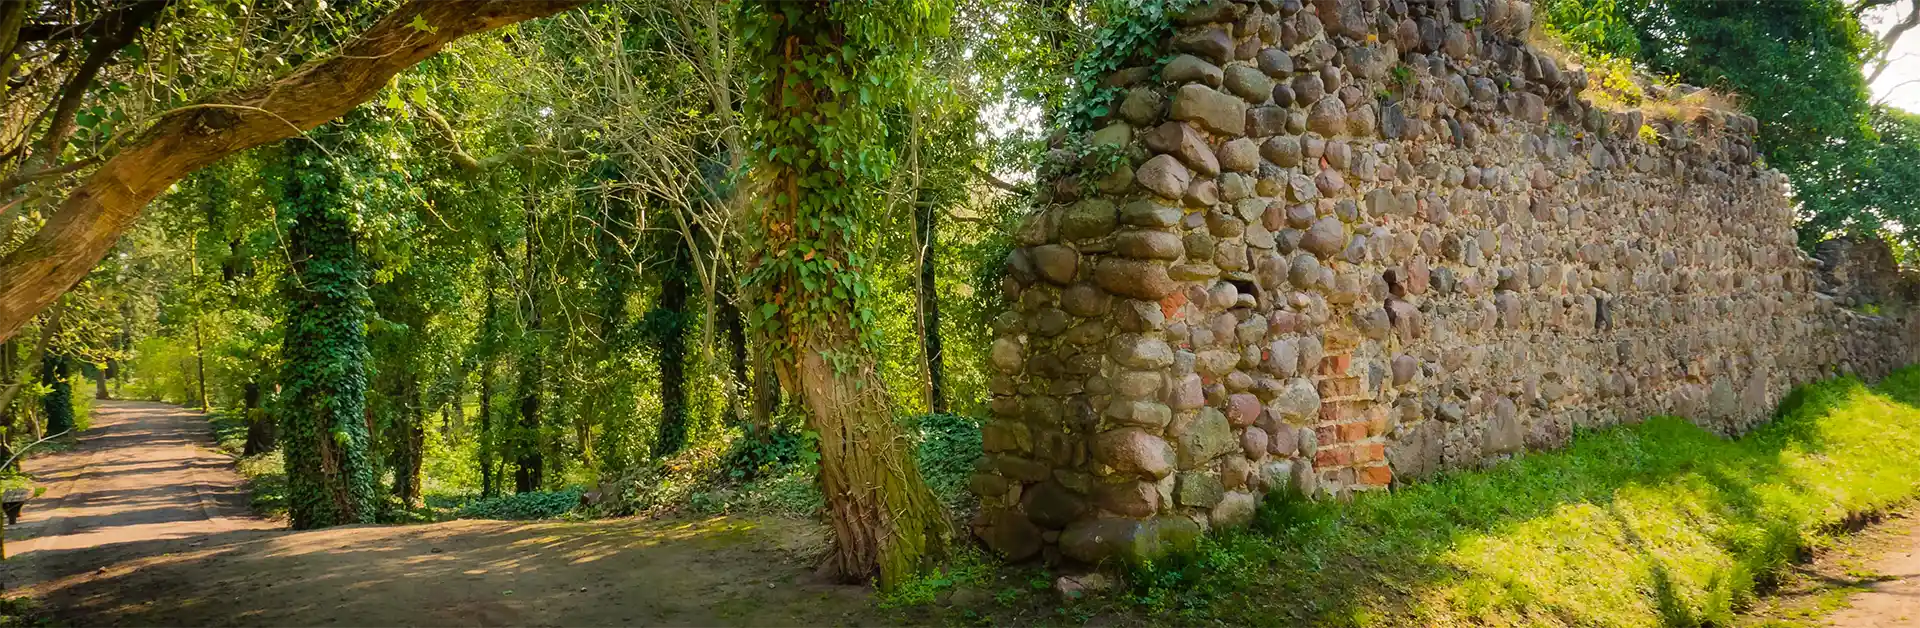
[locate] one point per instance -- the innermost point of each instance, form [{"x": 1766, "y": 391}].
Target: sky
[{"x": 1900, "y": 84}]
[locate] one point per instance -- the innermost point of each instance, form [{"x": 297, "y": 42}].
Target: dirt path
[
  {"x": 1866, "y": 579},
  {"x": 1890, "y": 583},
  {"x": 145, "y": 524},
  {"x": 146, "y": 472}
]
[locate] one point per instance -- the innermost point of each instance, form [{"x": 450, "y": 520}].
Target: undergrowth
[
  {"x": 522, "y": 506},
  {"x": 265, "y": 473}
]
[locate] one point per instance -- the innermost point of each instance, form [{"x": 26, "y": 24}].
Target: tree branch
[
  {"x": 1892, "y": 36},
  {"x": 22, "y": 178},
  {"x": 131, "y": 21},
  {"x": 1889, "y": 93},
  {"x": 995, "y": 181},
  {"x": 47, "y": 331},
  {"x": 455, "y": 152},
  {"x": 91, "y": 219}
]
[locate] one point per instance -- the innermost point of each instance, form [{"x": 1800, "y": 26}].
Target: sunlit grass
[{"x": 1660, "y": 523}]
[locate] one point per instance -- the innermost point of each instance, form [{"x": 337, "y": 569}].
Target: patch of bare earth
[
  {"x": 145, "y": 524},
  {"x": 1869, "y": 579}
]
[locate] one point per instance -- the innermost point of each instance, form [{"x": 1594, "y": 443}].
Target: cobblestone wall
[{"x": 1358, "y": 241}]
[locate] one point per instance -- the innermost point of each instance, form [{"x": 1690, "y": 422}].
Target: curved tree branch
[
  {"x": 1885, "y": 56},
  {"x": 47, "y": 330},
  {"x": 131, "y": 21},
  {"x": 93, "y": 216},
  {"x": 22, "y": 178}
]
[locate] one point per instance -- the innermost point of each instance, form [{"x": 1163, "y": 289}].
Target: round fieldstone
[
  {"x": 1253, "y": 443},
  {"x": 1056, "y": 263},
  {"x": 1139, "y": 279},
  {"x": 1149, "y": 245},
  {"x": 1328, "y": 117},
  {"x": 1325, "y": 238},
  {"x": 1163, "y": 175},
  {"x": 1132, "y": 450},
  {"x": 1191, "y": 69},
  {"x": 1283, "y": 151},
  {"x": 1085, "y": 301}
]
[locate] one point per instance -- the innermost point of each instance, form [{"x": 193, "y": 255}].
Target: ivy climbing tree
[
  {"x": 56, "y": 374},
  {"x": 330, "y": 474},
  {"x": 821, "y": 72},
  {"x": 666, "y": 327}
]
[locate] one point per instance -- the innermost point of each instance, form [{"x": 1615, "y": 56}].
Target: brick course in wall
[{"x": 1360, "y": 241}]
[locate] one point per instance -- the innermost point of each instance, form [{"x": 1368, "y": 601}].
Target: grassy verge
[
  {"x": 1655, "y": 524},
  {"x": 265, "y": 473},
  {"x": 1659, "y": 523}
]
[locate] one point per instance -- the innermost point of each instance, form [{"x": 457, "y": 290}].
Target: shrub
[
  {"x": 522, "y": 506},
  {"x": 949, "y": 446},
  {"x": 751, "y": 456}
]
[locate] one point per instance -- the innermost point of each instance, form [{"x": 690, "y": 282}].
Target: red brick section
[
  {"x": 1170, "y": 306},
  {"x": 1380, "y": 476},
  {"x": 1352, "y": 428}
]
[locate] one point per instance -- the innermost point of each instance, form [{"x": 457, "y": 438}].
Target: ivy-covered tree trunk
[
  {"x": 926, "y": 217},
  {"x": 410, "y": 441},
  {"x": 489, "y": 357},
  {"x": 815, "y": 97},
  {"x": 56, "y": 372},
  {"x": 614, "y": 415},
  {"x": 668, "y": 324},
  {"x": 728, "y": 316},
  {"x": 259, "y": 425},
  {"x": 766, "y": 390},
  {"x": 528, "y": 472},
  {"x": 330, "y": 476}
]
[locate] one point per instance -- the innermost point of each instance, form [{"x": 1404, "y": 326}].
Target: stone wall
[{"x": 1360, "y": 241}]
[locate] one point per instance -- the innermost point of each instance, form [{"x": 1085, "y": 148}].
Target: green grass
[
  {"x": 265, "y": 473},
  {"x": 1659, "y": 523},
  {"x": 229, "y": 430}
]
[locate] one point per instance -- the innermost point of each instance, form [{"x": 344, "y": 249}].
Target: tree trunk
[
  {"x": 736, "y": 331},
  {"x": 489, "y": 356},
  {"x": 57, "y": 405},
  {"x": 410, "y": 443},
  {"x": 91, "y": 218},
  {"x": 259, "y": 424},
  {"x": 455, "y": 418},
  {"x": 200, "y": 364},
  {"x": 330, "y": 471},
  {"x": 885, "y": 520},
  {"x": 528, "y": 473},
  {"x": 766, "y": 391},
  {"x": 100, "y": 386},
  {"x": 670, "y": 328},
  {"x": 927, "y": 217},
  {"x": 9, "y": 354}
]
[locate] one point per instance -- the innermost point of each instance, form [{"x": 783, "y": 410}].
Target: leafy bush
[
  {"x": 522, "y": 506},
  {"x": 949, "y": 446},
  {"x": 752, "y": 456},
  {"x": 267, "y": 479},
  {"x": 229, "y": 430},
  {"x": 165, "y": 369}
]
